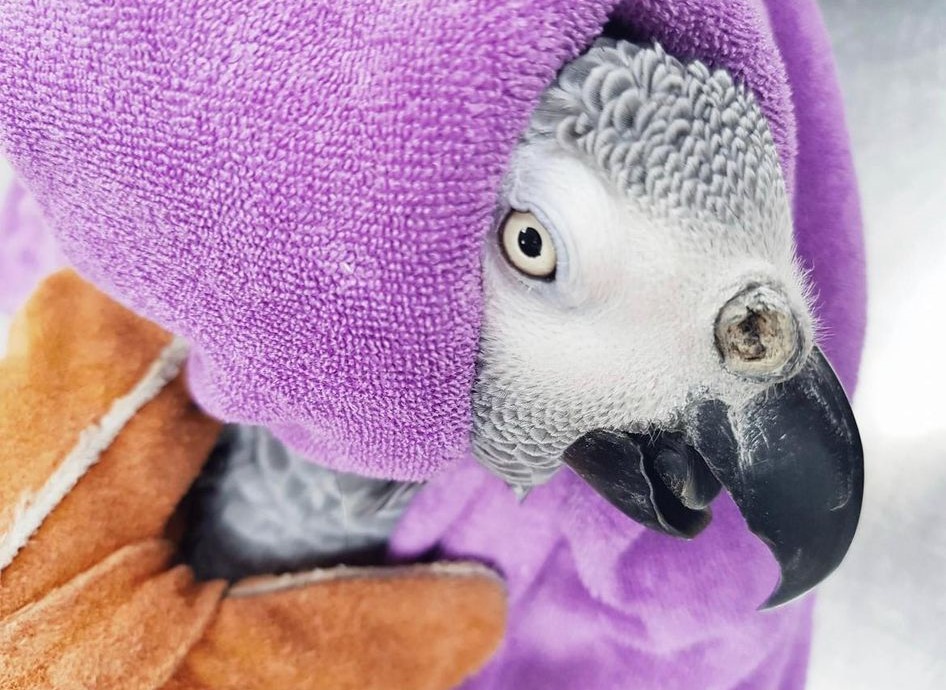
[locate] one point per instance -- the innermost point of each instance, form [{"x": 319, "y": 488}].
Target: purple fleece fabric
[
  {"x": 302, "y": 187},
  {"x": 601, "y": 603}
]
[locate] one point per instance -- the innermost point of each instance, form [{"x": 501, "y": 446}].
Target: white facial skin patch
[{"x": 660, "y": 187}]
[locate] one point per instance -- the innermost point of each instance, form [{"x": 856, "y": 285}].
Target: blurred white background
[{"x": 881, "y": 622}]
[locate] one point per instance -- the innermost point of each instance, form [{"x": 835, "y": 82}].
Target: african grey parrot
[{"x": 646, "y": 323}]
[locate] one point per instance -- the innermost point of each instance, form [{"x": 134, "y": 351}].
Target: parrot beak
[{"x": 791, "y": 458}]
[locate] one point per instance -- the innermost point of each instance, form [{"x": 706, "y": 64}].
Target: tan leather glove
[{"x": 99, "y": 441}]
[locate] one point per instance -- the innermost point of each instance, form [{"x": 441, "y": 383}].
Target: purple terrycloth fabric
[{"x": 301, "y": 188}]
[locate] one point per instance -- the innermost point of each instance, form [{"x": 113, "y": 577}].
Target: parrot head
[{"x": 647, "y": 322}]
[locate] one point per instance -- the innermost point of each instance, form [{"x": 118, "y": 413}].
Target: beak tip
[
  {"x": 781, "y": 596},
  {"x": 802, "y": 487}
]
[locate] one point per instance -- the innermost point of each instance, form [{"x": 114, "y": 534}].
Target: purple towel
[{"x": 301, "y": 188}]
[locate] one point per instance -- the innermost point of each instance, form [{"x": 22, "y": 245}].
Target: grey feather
[
  {"x": 680, "y": 142},
  {"x": 674, "y": 136},
  {"x": 260, "y": 508}
]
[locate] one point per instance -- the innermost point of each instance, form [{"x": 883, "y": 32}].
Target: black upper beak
[{"x": 791, "y": 458}]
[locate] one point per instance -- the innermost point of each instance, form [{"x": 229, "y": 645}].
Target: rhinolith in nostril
[{"x": 758, "y": 335}]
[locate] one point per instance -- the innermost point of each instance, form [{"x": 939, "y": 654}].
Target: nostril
[{"x": 757, "y": 334}]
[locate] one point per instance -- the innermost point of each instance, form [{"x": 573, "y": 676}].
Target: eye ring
[{"x": 528, "y": 245}]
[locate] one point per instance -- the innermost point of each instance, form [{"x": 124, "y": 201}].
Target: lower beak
[{"x": 791, "y": 458}]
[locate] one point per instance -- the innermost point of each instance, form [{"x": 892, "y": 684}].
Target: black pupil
[{"x": 530, "y": 242}]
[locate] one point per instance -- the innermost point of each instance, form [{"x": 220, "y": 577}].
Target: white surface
[
  {"x": 881, "y": 622},
  {"x": 892, "y": 63}
]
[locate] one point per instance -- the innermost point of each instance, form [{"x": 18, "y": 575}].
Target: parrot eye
[{"x": 528, "y": 245}]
